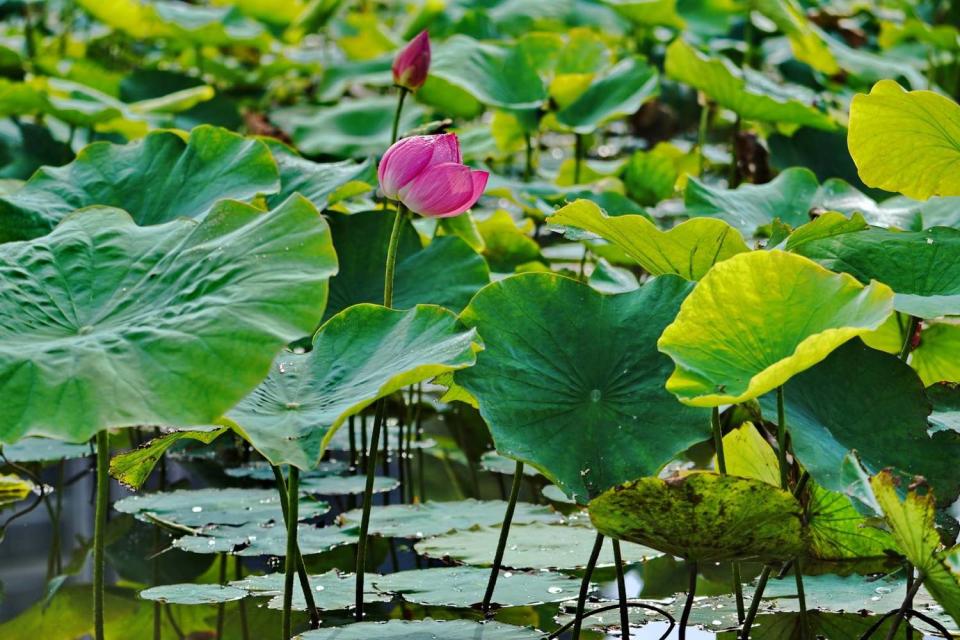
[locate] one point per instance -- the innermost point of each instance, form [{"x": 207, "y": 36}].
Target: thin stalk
[
  {"x": 908, "y": 339},
  {"x": 735, "y": 177},
  {"x": 401, "y": 470},
  {"x": 585, "y": 586},
  {"x": 301, "y": 566},
  {"x": 504, "y": 534},
  {"x": 702, "y": 133},
  {"x": 738, "y": 591},
  {"x": 418, "y": 420},
  {"x": 396, "y": 117},
  {"x": 100, "y": 529},
  {"x": 353, "y": 441},
  {"x": 691, "y": 594},
  {"x": 910, "y": 582},
  {"x": 528, "y": 166},
  {"x": 242, "y": 603},
  {"x": 367, "y": 504},
  {"x": 781, "y": 439},
  {"x": 755, "y": 605},
  {"x": 577, "y": 157},
  {"x": 722, "y": 469},
  {"x": 905, "y": 607},
  {"x": 621, "y": 592},
  {"x": 293, "y": 514},
  {"x": 801, "y": 597},
  {"x": 222, "y": 607}
]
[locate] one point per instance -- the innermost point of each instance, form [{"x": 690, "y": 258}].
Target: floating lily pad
[
  {"x": 620, "y": 91},
  {"x": 358, "y": 356},
  {"x": 834, "y": 408},
  {"x": 583, "y": 399},
  {"x": 688, "y": 250},
  {"x": 749, "y": 325},
  {"x": 906, "y": 141},
  {"x": 703, "y": 517},
  {"x": 264, "y": 539},
  {"x": 750, "y": 94},
  {"x": 447, "y": 272},
  {"x": 426, "y": 629},
  {"x": 464, "y": 587},
  {"x": 496, "y": 463},
  {"x": 345, "y": 485},
  {"x": 45, "y": 449},
  {"x": 198, "y": 507},
  {"x": 263, "y": 471},
  {"x": 193, "y": 594},
  {"x": 435, "y": 518},
  {"x": 530, "y": 546},
  {"x": 157, "y": 179},
  {"x": 194, "y": 299},
  {"x": 922, "y": 267},
  {"x": 332, "y": 590}
]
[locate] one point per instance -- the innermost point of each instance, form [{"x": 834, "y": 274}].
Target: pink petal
[
  {"x": 412, "y": 64},
  {"x": 408, "y": 157},
  {"x": 444, "y": 190}
]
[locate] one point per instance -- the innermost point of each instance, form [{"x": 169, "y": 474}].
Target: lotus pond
[{"x": 479, "y": 319}]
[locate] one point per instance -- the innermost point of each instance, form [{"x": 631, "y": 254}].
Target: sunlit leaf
[{"x": 132, "y": 468}]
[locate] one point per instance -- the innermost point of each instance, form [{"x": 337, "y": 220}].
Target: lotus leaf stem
[{"x": 504, "y": 534}]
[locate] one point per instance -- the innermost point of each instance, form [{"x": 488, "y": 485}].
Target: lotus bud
[{"x": 411, "y": 65}]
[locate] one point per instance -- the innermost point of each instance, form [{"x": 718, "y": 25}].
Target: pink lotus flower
[
  {"x": 427, "y": 174},
  {"x": 411, "y": 65}
]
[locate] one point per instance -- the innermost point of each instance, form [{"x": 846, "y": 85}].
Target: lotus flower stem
[
  {"x": 801, "y": 598},
  {"x": 755, "y": 605},
  {"x": 577, "y": 157},
  {"x": 396, "y": 115},
  {"x": 301, "y": 566},
  {"x": 504, "y": 534},
  {"x": 905, "y": 607},
  {"x": 688, "y": 605},
  {"x": 585, "y": 586},
  {"x": 293, "y": 513},
  {"x": 622, "y": 592},
  {"x": 100, "y": 529}
]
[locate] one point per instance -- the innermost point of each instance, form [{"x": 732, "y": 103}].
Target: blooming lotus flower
[
  {"x": 427, "y": 175},
  {"x": 411, "y": 65}
]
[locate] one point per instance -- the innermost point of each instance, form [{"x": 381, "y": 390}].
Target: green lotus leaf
[
  {"x": 834, "y": 408},
  {"x": 193, "y": 594},
  {"x": 447, "y": 272},
  {"x": 838, "y": 532},
  {"x": 436, "y": 518},
  {"x": 823, "y": 624},
  {"x": 264, "y": 539},
  {"x": 937, "y": 358},
  {"x": 349, "y": 129},
  {"x": 703, "y": 517},
  {"x": 620, "y": 91},
  {"x": 537, "y": 545},
  {"x": 507, "y": 244},
  {"x": 805, "y": 40},
  {"x": 24, "y": 148},
  {"x": 426, "y": 629},
  {"x": 157, "y": 179},
  {"x": 495, "y": 75},
  {"x": 199, "y": 507},
  {"x": 333, "y": 590},
  {"x": 751, "y": 324},
  {"x": 749, "y": 455},
  {"x": 912, "y": 525},
  {"x": 134, "y": 467},
  {"x": 922, "y": 267},
  {"x": 496, "y": 463},
  {"x": 463, "y": 587},
  {"x": 688, "y": 250},
  {"x": 581, "y": 400},
  {"x": 194, "y": 299},
  {"x": 906, "y": 141},
  {"x": 748, "y": 93},
  {"x": 360, "y": 355},
  {"x": 648, "y": 12},
  {"x": 824, "y": 227},
  {"x": 262, "y": 471},
  {"x": 607, "y": 278},
  {"x": 319, "y": 182},
  {"x": 45, "y": 450},
  {"x": 339, "y": 76}
]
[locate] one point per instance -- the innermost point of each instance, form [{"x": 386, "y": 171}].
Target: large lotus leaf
[
  {"x": 830, "y": 592},
  {"x": 749, "y": 455},
  {"x": 156, "y": 179},
  {"x": 319, "y": 182},
  {"x": 495, "y": 75},
  {"x": 619, "y": 92},
  {"x": 688, "y": 250},
  {"x": 937, "y": 358},
  {"x": 922, "y": 267},
  {"x": 361, "y": 354},
  {"x": 749, "y": 93},
  {"x": 824, "y": 227},
  {"x": 835, "y": 407},
  {"x": 350, "y": 129},
  {"x": 193, "y": 593},
  {"x": 426, "y": 629},
  {"x": 108, "y": 324},
  {"x": 789, "y": 197},
  {"x": 463, "y": 587},
  {"x": 45, "y": 449},
  {"x": 332, "y": 590},
  {"x": 648, "y": 12},
  {"x": 758, "y": 319},
  {"x": 906, "y": 141},
  {"x": 132, "y": 468},
  {"x": 199, "y": 507},
  {"x": 264, "y": 539},
  {"x": 447, "y": 272},
  {"x": 703, "y": 517},
  {"x": 805, "y": 40},
  {"x": 582, "y": 399},
  {"x": 436, "y": 518},
  {"x": 912, "y": 525},
  {"x": 536, "y": 545}
]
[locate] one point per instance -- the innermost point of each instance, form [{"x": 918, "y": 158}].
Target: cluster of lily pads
[{"x": 686, "y": 273}]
